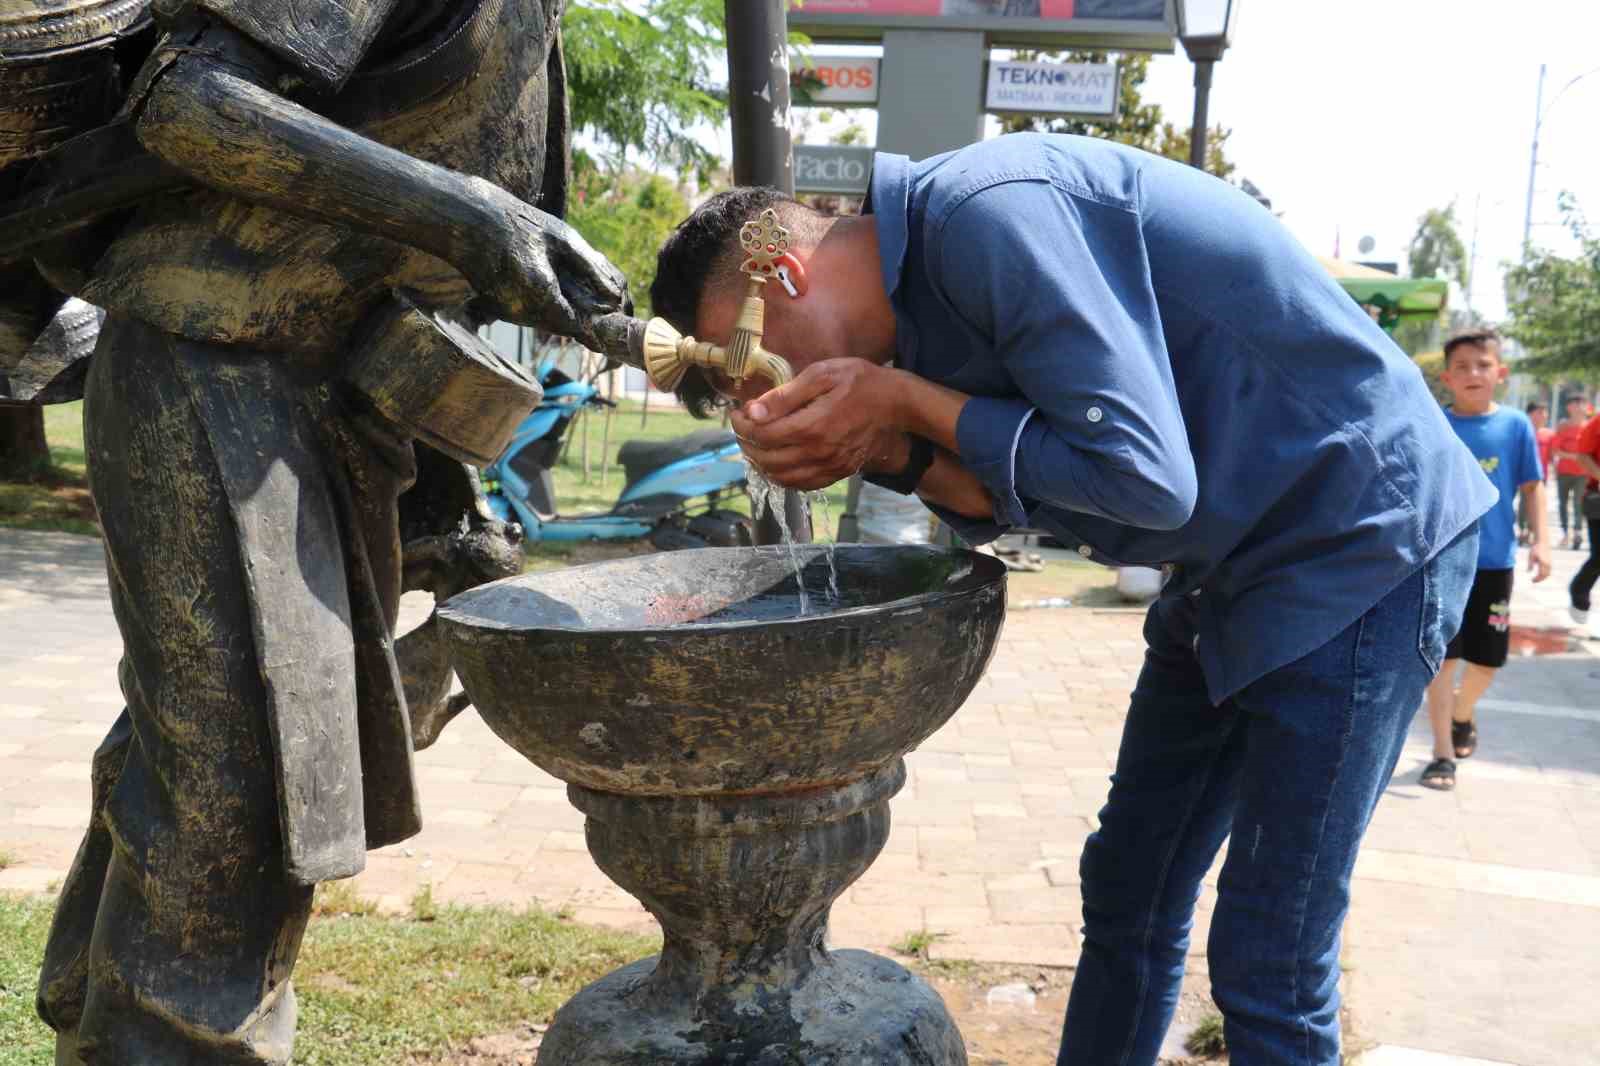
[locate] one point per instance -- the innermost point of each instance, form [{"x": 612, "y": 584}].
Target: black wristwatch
[{"x": 907, "y": 480}]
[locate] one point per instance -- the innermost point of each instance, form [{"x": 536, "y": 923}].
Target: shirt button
[
  {"x": 1094, "y": 414},
  {"x": 1085, "y": 551}
]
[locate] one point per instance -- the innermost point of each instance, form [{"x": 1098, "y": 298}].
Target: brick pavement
[{"x": 1473, "y": 912}]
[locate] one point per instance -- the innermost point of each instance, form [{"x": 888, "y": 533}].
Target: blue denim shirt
[{"x": 1162, "y": 376}]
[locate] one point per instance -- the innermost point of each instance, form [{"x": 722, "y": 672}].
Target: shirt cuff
[
  {"x": 973, "y": 531},
  {"x": 987, "y": 434}
]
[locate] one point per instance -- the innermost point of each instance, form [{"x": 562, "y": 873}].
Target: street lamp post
[
  {"x": 1539, "y": 111},
  {"x": 1206, "y": 29},
  {"x": 758, "y": 107}
]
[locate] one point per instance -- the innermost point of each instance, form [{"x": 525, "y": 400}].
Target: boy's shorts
[{"x": 1485, "y": 636}]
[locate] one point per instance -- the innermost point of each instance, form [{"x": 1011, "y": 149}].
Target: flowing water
[
  {"x": 833, "y": 533},
  {"x": 764, "y": 493}
]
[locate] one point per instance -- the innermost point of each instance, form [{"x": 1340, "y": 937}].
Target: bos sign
[
  {"x": 1085, "y": 89},
  {"x": 832, "y": 168},
  {"x": 835, "y": 79}
]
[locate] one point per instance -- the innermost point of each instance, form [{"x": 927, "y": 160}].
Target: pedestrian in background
[
  {"x": 1587, "y": 456},
  {"x": 1570, "y": 474},
  {"x": 1539, "y": 414},
  {"x": 1507, "y": 449}
]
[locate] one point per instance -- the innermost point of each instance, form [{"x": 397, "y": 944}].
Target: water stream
[{"x": 764, "y": 493}]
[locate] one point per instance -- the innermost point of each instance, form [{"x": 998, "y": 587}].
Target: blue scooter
[{"x": 664, "y": 481}]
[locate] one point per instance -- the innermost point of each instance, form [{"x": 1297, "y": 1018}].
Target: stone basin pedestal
[{"x": 735, "y": 761}]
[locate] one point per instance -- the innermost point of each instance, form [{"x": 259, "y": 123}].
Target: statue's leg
[
  {"x": 198, "y": 926},
  {"x": 64, "y": 975}
]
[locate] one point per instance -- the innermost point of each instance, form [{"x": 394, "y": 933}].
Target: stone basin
[
  {"x": 694, "y": 672},
  {"x": 734, "y": 756}
]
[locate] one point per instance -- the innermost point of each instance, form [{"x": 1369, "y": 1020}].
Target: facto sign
[
  {"x": 1086, "y": 89},
  {"x": 835, "y": 79},
  {"x": 832, "y": 168}
]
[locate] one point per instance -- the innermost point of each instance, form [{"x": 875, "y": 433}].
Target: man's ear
[
  {"x": 791, "y": 275},
  {"x": 1505, "y": 372}
]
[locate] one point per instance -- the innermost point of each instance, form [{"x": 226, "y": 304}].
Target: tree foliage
[
  {"x": 1137, "y": 123},
  {"x": 1554, "y": 303},
  {"x": 639, "y": 77},
  {"x": 627, "y": 215},
  {"x": 1436, "y": 250}
]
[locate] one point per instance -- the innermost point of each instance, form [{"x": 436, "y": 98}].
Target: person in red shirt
[
  {"x": 1586, "y": 455},
  {"x": 1539, "y": 414},
  {"x": 1570, "y": 474}
]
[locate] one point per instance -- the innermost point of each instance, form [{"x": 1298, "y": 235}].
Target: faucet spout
[{"x": 666, "y": 355}]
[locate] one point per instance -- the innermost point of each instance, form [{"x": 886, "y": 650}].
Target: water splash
[
  {"x": 764, "y": 493},
  {"x": 821, "y": 498}
]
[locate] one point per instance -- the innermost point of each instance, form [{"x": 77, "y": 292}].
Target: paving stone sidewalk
[{"x": 1475, "y": 913}]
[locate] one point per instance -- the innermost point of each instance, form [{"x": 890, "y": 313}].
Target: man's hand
[
  {"x": 838, "y": 417},
  {"x": 538, "y": 271},
  {"x": 1539, "y": 561}
]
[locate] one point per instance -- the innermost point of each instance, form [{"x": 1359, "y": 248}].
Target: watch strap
[{"x": 906, "y": 481}]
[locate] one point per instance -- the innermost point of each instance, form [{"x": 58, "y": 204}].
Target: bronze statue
[{"x": 292, "y": 212}]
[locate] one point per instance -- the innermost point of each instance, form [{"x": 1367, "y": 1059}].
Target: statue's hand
[{"x": 538, "y": 271}]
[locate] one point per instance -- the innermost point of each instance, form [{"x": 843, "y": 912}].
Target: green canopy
[{"x": 1391, "y": 300}]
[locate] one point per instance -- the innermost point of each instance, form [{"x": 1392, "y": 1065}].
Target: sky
[{"x": 1356, "y": 116}]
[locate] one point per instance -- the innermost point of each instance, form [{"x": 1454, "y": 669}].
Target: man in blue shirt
[
  {"x": 1065, "y": 334},
  {"x": 1503, "y": 442}
]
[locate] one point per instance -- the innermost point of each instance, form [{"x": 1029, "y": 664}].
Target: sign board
[
  {"x": 835, "y": 79},
  {"x": 1129, "y": 25},
  {"x": 1088, "y": 90},
  {"x": 832, "y": 168}
]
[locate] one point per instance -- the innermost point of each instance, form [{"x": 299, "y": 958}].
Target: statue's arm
[{"x": 202, "y": 106}]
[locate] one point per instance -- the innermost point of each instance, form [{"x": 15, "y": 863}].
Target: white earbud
[{"x": 786, "y": 282}]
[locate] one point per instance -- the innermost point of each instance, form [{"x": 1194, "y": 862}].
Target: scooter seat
[{"x": 641, "y": 457}]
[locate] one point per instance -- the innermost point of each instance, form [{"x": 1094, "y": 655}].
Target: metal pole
[
  {"x": 848, "y": 530},
  {"x": 758, "y": 107},
  {"x": 1533, "y": 163},
  {"x": 1202, "y": 100}
]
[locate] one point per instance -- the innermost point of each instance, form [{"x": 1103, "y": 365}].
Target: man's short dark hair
[
  {"x": 1477, "y": 337},
  {"x": 703, "y": 252},
  {"x": 1535, "y": 405}
]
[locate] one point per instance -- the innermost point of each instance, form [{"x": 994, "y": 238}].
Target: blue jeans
[{"x": 1292, "y": 766}]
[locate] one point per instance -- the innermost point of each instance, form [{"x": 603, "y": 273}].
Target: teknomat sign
[
  {"x": 832, "y": 168},
  {"x": 836, "y": 79},
  {"x": 1087, "y": 89}
]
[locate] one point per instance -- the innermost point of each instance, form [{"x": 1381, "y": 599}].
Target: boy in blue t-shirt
[{"x": 1506, "y": 447}]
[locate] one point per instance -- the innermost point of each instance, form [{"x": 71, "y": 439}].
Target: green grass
[
  {"x": 58, "y": 500},
  {"x": 374, "y": 990},
  {"x": 576, "y": 496},
  {"x": 6, "y": 858},
  {"x": 1207, "y": 1039},
  {"x": 916, "y": 944}
]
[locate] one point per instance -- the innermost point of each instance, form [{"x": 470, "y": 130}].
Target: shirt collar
[{"x": 888, "y": 198}]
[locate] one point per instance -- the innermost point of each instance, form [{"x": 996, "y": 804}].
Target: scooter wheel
[
  {"x": 724, "y": 529},
  {"x": 672, "y": 538}
]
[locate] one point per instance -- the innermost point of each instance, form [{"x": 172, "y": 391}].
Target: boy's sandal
[
  {"x": 1464, "y": 738},
  {"x": 1440, "y": 774}
]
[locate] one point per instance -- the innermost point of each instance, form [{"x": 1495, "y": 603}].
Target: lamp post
[
  {"x": 1539, "y": 111},
  {"x": 1206, "y": 29},
  {"x": 758, "y": 106}
]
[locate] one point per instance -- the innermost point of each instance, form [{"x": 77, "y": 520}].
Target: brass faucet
[{"x": 666, "y": 355}]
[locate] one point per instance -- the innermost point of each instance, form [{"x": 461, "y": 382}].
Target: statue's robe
[{"x": 247, "y": 499}]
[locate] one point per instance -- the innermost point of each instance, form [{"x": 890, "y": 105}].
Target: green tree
[
  {"x": 627, "y": 215},
  {"x": 1554, "y": 304},
  {"x": 638, "y": 78},
  {"x": 1436, "y": 250},
  {"x": 1137, "y": 123}
]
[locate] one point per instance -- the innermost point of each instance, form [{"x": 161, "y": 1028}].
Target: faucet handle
[{"x": 764, "y": 239}]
